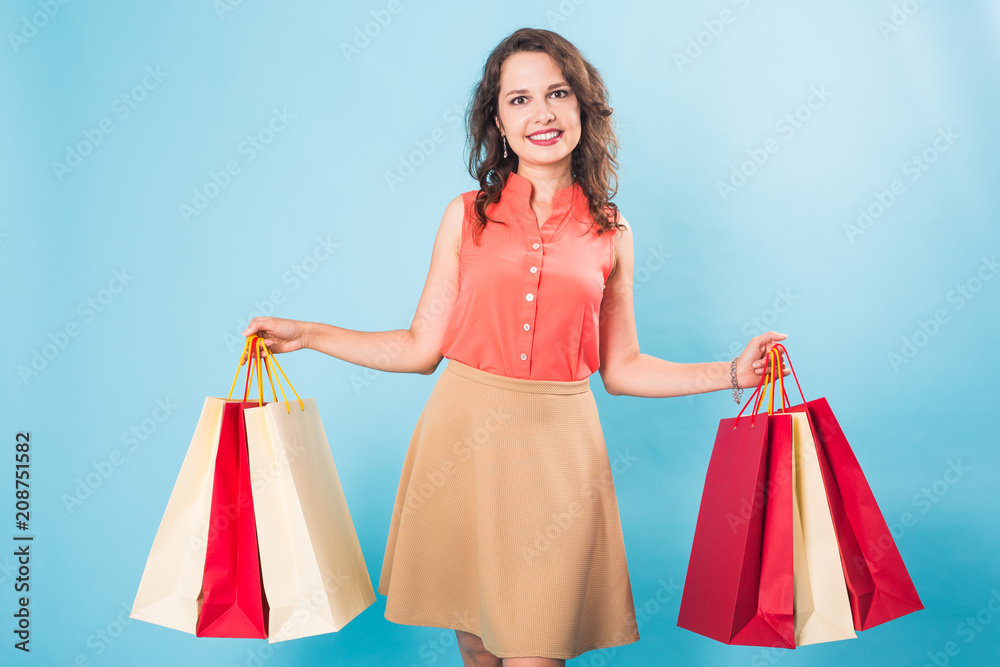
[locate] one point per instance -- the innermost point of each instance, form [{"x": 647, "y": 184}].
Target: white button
[
  {"x": 526, "y": 326},
  {"x": 529, "y": 297},
  {"x": 535, "y": 246},
  {"x": 534, "y": 269},
  {"x": 523, "y": 356}
]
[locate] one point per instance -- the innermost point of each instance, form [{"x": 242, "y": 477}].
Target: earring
[{"x": 504, "y": 137}]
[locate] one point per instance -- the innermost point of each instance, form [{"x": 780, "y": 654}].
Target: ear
[{"x": 496, "y": 119}]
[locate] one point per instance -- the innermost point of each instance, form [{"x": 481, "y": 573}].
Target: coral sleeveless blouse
[{"x": 529, "y": 298}]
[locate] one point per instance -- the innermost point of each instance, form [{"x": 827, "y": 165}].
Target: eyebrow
[{"x": 522, "y": 91}]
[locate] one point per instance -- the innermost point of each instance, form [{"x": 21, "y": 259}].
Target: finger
[{"x": 257, "y": 324}]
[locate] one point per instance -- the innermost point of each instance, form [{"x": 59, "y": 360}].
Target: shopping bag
[
  {"x": 233, "y": 602},
  {"x": 822, "y": 607},
  {"x": 169, "y": 592},
  {"x": 878, "y": 584},
  {"x": 797, "y": 532},
  {"x": 201, "y": 576},
  {"x": 739, "y": 583},
  {"x": 314, "y": 571}
]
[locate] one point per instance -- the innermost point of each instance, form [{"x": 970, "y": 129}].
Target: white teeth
[{"x": 546, "y": 136}]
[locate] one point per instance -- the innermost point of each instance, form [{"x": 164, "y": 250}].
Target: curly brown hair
[{"x": 594, "y": 165}]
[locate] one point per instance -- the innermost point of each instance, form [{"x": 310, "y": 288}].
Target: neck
[{"x": 545, "y": 181}]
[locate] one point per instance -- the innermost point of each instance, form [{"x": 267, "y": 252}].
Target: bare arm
[
  {"x": 413, "y": 350},
  {"x": 627, "y": 371}
]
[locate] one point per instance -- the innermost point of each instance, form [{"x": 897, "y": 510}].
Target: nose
[{"x": 544, "y": 113}]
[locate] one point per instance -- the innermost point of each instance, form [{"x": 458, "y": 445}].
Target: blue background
[{"x": 778, "y": 252}]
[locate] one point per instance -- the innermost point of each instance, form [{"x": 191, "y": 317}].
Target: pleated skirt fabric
[{"x": 506, "y": 521}]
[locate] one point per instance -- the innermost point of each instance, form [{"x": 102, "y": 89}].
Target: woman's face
[{"x": 534, "y": 99}]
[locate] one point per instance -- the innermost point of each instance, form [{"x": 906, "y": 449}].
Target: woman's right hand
[{"x": 279, "y": 335}]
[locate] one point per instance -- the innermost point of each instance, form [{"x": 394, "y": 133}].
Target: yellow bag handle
[
  {"x": 302, "y": 406},
  {"x": 246, "y": 344},
  {"x": 253, "y": 357},
  {"x": 255, "y": 360},
  {"x": 768, "y": 379},
  {"x": 268, "y": 355},
  {"x": 774, "y": 377}
]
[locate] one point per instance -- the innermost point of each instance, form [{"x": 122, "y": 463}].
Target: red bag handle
[
  {"x": 770, "y": 379},
  {"x": 792, "y": 368},
  {"x": 251, "y": 350},
  {"x": 257, "y": 360},
  {"x": 752, "y": 396},
  {"x": 773, "y": 377}
]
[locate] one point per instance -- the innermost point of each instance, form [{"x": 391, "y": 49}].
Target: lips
[{"x": 552, "y": 136}]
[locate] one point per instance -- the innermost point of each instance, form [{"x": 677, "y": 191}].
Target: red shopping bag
[
  {"x": 878, "y": 584},
  {"x": 739, "y": 583},
  {"x": 233, "y": 599}
]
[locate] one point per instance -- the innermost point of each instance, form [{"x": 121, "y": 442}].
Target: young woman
[{"x": 506, "y": 525}]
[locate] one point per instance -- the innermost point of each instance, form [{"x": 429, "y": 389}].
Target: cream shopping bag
[
  {"x": 314, "y": 572},
  {"x": 170, "y": 589},
  {"x": 822, "y": 606}
]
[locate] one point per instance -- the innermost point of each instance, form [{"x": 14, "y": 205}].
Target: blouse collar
[{"x": 521, "y": 187}]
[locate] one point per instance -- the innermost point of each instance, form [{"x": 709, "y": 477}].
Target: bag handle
[
  {"x": 247, "y": 354},
  {"x": 252, "y": 352},
  {"x": 246, "y": 344},
  {"x": 769, "y": 379},
  {"x": 792, "y": 368},
  {"x": 268, "y": 355},
  {"x": 770, "y": 382},
  {"x": 756, "y": 394},
  {"x": 775, "y": 377}
]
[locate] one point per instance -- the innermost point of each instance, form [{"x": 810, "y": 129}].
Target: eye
[{"x": 562, "y": 94}]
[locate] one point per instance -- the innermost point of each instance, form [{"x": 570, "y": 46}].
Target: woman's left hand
[{"x": 753, "y": 361}]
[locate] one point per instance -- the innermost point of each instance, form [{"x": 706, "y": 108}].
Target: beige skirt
[{"x": 506, "y": 522}]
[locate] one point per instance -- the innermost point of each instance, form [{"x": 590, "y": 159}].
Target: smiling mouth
[{"x": 546, "y": 136}]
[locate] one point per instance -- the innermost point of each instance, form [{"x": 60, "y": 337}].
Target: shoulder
[
  {"x": 456, "y": 208},
  {"x": 621, "y": 242},
  {"x": 610, "y": 212},
  {"x": 466, "y": 201},
  {"x": 623, "y": 221},
  {"x": 624, "y": 229},
  {"x": 450, "y": 229},
  {"x": 468, "y": 197}
]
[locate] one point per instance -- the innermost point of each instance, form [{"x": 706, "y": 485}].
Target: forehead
[{"x": 529, "y": 70}]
